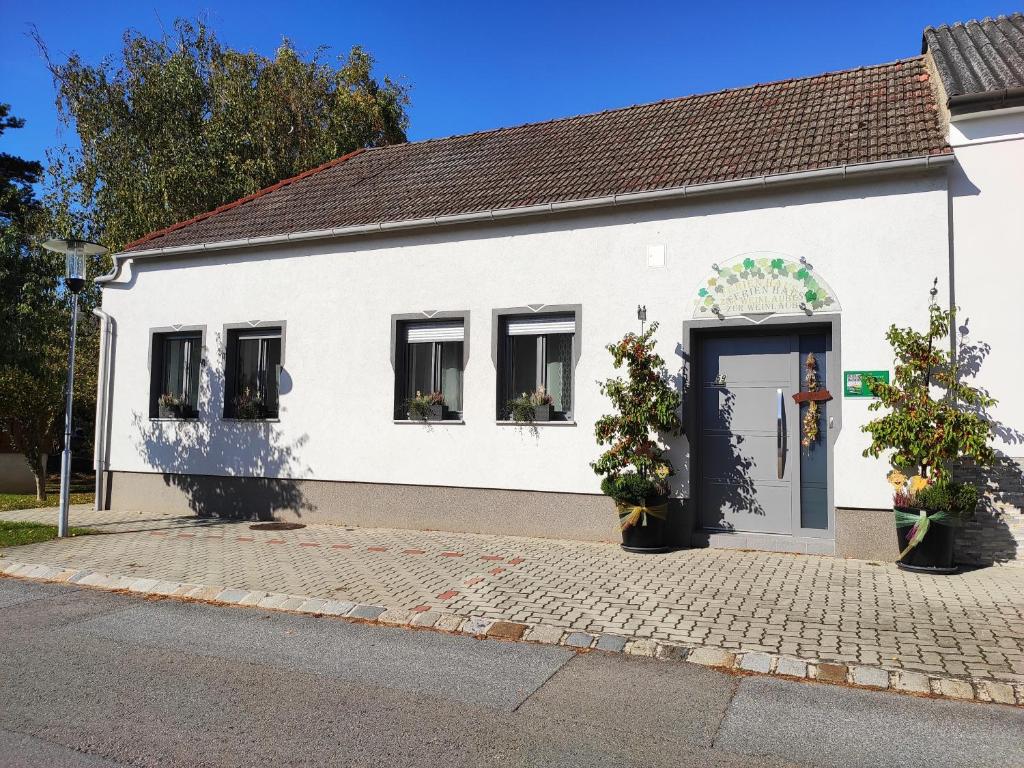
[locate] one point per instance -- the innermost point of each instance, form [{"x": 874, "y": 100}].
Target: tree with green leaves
[
  {"x": 34, "y": 316},
  {"x": 173, "y": 127},
  {"x": 634, "y": 466},
  {"x": 935, "y": 418},
  {"x": 180, "y": 124}
]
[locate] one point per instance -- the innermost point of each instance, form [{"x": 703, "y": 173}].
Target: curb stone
[
  {"x": 757, "y": 662},
  {"x": 449, "y": 622},
  {"x": 671, "y": 652}
]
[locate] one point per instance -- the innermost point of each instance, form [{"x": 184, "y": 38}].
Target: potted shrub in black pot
[
  {"x": 935, "y": 421},
  {"x": 634, "y": 467},
  {"x": 426, "y": 407},
  {"x": 531, "y": 406},
  {"x": 171, "y": 406},
  {"x": 927, "y": 516}
]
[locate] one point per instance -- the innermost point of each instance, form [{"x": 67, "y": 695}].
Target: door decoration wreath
[
  {"x": 810, "y": 420},
  {"x": 810, "y": 423}
]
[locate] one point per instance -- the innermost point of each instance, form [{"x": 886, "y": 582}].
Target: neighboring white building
[
  {"x": 980, "y": 68},
  {"x": 756, "y": 225}
]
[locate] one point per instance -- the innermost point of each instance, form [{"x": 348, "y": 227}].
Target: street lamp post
[{"x": 75, "y": 253}]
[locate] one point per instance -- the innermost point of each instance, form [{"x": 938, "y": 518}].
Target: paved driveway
[{"x": 822, "y": 608}]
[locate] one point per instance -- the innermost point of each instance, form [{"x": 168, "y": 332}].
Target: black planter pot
[
  {"x": 542, "y": 413},
  {"x": 434, "y": 413},
  {"x": 650, "y": 538},
  {"x": 171, "y": 411},
  {"x": 934, "y": 554}
]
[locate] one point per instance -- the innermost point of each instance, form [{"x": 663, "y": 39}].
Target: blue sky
[{"x": 474, "y": 66}]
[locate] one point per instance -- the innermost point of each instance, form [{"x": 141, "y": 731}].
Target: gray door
[{"x": 748, "y": 478}]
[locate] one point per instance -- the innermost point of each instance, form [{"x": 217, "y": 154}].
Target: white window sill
[
  {"x": 174, "y": 418},
  {"x": 429, "y": 421},
  {"x": 535, "y": 423},
  {"x": 274, "y": 420}
]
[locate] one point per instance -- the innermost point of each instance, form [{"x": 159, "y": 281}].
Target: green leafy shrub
[
  {"x": 958, "y": 499},
  {"x": 935, "y": 418},
  {"x": 631, "y": 488},
  {"x": 646, "y": 405}
]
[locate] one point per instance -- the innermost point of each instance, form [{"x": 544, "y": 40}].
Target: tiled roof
[
  {"x": 979, "y": 59},
  {"x": 877, "y": 113}
]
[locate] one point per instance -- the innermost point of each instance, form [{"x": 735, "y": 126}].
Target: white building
[{"x": 756, "y": 225}]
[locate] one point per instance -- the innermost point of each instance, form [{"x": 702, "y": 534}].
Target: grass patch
[
  {"x": 14, "y": 534},
  {"x": 82, "y": 492},
  {"x": 12, "y": 501}
]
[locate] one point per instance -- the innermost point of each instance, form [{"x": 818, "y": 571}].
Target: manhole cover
[{"x": 276, "y": 526}]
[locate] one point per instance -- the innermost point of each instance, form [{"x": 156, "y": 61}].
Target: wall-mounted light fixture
[{"x": 641, "y": 315}]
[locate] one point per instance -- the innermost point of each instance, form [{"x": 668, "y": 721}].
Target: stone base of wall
[
  {"x": 996, "y": 534},
  {"x": 582, "y": 517},
  {"x": 866, "y": 534},
  {"x": 574, "y": 516}
]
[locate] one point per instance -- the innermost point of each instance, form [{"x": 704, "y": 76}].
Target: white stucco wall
[
  {"x": 987, "y": 193},
  {"x": 877, "y": 244}
]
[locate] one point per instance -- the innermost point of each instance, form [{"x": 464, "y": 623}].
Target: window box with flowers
[
  {"x": 531, "y": 406},
  {"x": 248, "y": 405},
  {"x": 171, "y": 406},
  {"x": 425, "y": 407}
]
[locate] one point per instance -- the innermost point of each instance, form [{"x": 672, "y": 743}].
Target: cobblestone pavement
[{"x": 817, "y": 608}]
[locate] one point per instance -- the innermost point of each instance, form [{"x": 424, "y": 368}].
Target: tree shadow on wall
[
  {"x": 988, "y": 539},
  {"x": 728, "y": 485},
  {"x": 227, "y": 469}
]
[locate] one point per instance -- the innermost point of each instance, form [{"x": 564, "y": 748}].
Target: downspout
[{"x": 100, "y": 457}]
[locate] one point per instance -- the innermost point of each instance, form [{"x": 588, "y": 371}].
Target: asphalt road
[{"x": 94, "y": 679}]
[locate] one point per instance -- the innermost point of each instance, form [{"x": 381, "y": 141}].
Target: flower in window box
[
  {"x": 249, "y": 405},
  {"x": 531, "y": 406},
  {"x": 426, "y": 407},
  {"x": 171, "y": 406}
]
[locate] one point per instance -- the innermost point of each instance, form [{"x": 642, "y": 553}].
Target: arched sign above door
[{"x": 762, "y": 284}]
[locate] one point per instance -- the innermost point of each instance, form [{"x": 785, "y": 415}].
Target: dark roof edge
[
  {"x": 920, "y": 163},
  {"x": 986, "y": 100}
]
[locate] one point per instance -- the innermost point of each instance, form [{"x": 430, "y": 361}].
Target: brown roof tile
[{"x": 877, "y": 113}]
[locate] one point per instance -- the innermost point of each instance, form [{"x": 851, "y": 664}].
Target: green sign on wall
[{"x": 855, "y": 383}]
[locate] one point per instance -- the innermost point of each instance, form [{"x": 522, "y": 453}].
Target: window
[
  {"x": 174, "y": 383},
  {"x": 253, "y": 373},
  {"x": 538, "y": 352},
  {"x": 430, "y": 360}
]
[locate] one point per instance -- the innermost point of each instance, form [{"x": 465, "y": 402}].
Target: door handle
[{"x": 780, "y": 436}]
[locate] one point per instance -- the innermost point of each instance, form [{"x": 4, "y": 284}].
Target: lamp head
[{"x": 75, "y": 253}]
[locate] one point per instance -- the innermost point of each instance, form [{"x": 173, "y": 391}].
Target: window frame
[
  {"x": 502, "y": 359},
  {"x": 233, "y": 332},
  {"x": 157, "y": 338},
  {"x": 400, "y": 358}
]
